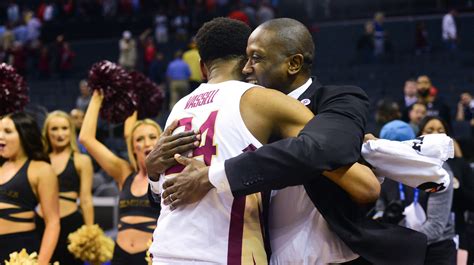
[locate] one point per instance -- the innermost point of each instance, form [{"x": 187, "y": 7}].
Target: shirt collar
[{"x": 300, "y": 90}]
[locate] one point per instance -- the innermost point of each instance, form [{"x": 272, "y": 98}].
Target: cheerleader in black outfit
[
  {"x": 74, "y": 171},
  {"x": 137, "y": 219},
  {"x": 26, "y": 180}
]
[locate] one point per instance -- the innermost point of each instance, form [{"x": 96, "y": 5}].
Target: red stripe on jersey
[{"x": 236, "y": 232}]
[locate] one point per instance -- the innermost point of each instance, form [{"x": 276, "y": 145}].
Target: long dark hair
[
  {"x": 30, "y": 135},
  {"x": 427, "y": 119}
]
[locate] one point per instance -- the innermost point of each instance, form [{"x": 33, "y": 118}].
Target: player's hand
[
  {"x": 161, "y": 157},
  {"x": 189, "y": 186}
]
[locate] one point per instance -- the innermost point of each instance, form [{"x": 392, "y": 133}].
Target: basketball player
[{"x": 232, "y": 117}]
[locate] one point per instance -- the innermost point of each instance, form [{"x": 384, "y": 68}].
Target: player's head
[
  {"x": 279, "y": 52},
  {"x": 222, "y": 40}
]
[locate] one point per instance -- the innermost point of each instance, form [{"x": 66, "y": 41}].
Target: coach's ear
[
  {"x": 295, "y": 63},
  {"x": 203, "y": 69}
]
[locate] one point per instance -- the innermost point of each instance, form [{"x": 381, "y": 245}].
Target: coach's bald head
[{"x": 280, "y": 54}]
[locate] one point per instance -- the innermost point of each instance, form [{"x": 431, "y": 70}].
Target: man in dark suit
[{"x": 280, "y": 56}]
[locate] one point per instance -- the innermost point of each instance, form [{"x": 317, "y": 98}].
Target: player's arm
[
  {"x": 288, "y": 117},
  {"x": 331, "y": 140}
]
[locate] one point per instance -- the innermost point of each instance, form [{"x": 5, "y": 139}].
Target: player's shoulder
[{"x": 261, "y": 93}]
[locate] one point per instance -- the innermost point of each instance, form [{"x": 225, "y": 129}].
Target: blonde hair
[
  {"x": 72, "y": 139},
  {"x": 131, "y": 155}
]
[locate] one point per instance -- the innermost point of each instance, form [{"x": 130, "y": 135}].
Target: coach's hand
[
  {"x": 369, "y": 137},
  {"x": 189, "y": 186},
  {"x": 161, "y": 157}
]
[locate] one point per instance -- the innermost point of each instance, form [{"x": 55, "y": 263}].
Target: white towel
[{"x": 416, "y": 163}]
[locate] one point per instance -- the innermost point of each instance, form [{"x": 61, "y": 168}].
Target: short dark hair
[
  {"x": 222, "y": 38},
  {"x": 293, "y": 37},
  {"x": 30, "y": 136},
  {"x": 387, "y": 110}
]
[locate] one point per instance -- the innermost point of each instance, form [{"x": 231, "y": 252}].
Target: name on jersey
[{"x": 201, "y": 99}]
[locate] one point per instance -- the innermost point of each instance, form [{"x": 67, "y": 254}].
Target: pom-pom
[
  {"x": 89, "y": 243},
  {"x": 115, "y": 82},
  {"x": 13, "y": 90},
  {"x": 23, "y": 258},
  {"x": 150, "y": 96},
  {"x": 148, "y": 258}
]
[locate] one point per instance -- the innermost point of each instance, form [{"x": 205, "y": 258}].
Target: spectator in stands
[
  {"x": 416, "y": 114},
  {"x": 57, "y": 52},
  {"x": 19, "y": 58},
  {"x": 427, "y": 95},
  {"x": 128, "y": 51},
  {"x": 265, "y": 12},
  {"x": 85, "y": 96},
  {"x": 158, "y": 69},
  {"x": 449, "y": 30},
  {"x": 409, "y": 98},
  {"x": 237, "y": 13},
  {"x": 21, "y": 33},
  {"x": 431, "y": 213},
  {"x": 387, "y": 110},
  {"x": 161, "y": 27},
  {"x": 77, "y": 117},
  {"x": 149, "y": 49},
  {"x": 66, "y": 63},
  {"x": 365, "y": 44},
  {"x": 8, "y": 38},
  {"x": 192, "y": 59},
  {"x": 49, "y": 11},
  {"x": 33, "y": 25},
  {"x": 178, "y": 74},
  {"x": 13, "y": 12},
  {"x": 180, "y": 24},
  {"x": 249, "y": 10},
  {"x": 439, "y": 226},
  {"x": 68, "y": 8},
  {"x": 379, "y": 34},
  {"x": 136, "y": 6},
  {"x": 109, "y": 8},
  {"x": 465, "y": 110},
  {"x": 422, "y": 44}
]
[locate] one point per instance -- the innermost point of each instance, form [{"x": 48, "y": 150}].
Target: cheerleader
[
  {"x": 26, "y": 180},
  {"x": 74, "y": 171},
  {"x": 137, "y": 219}
]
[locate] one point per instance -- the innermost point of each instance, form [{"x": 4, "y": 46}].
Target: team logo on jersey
[{"x": 306, "y": 101}]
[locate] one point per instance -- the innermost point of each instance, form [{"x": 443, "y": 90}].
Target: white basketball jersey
[
  {"x": 299, "y": 234},
  {"x": 220, "y": 229}
]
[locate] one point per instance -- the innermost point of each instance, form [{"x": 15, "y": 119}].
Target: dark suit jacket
[{"x": 332, "y": 139}]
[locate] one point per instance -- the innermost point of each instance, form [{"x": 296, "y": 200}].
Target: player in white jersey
[{"x": 232, "y": 117}]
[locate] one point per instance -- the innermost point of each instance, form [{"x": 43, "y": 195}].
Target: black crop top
[
  {"x": 130, "y": 205},
  {"x": 17, "y": 191},
  {"x": 69, "y": 179}
]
